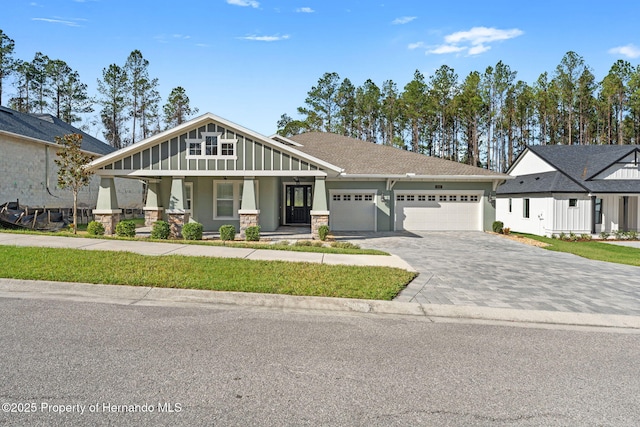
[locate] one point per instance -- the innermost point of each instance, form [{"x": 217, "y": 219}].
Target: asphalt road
[{"x": 229, "y": 365}]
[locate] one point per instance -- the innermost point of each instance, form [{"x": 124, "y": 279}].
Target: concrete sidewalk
[
  {"x": 174, "y": 248},
  {"x": 147, "y": 296}
]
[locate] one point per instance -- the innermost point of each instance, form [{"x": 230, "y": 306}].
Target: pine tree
[
  {"x": 7, "y": 62},
  {"x": 177, "y": 109},
  {"x": 114, "y": 88}
]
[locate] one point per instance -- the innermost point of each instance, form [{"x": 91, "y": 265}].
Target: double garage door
[{"x": 438, "y": 212}]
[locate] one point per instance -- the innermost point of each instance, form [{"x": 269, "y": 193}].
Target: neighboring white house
[
  {"x": 28, "y": 170},
  {"x": 584, "y": 189}
]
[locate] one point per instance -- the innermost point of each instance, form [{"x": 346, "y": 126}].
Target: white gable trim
[
  {"x": 529, "y": 163},
  {"x": 185, "y": 127}
]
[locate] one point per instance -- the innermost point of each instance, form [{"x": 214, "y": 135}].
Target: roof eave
[
  {"x": 416, "y": 177},
  {"x": 42, "y": 141}
]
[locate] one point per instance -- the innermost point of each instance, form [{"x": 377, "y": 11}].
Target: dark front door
[{"x": 298, "y": 204}]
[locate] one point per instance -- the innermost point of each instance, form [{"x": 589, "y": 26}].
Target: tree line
[
  {"x": 128, "y": 96},
  {"x": 486, "y": 119}
]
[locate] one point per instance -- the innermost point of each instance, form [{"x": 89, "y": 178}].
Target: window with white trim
[
  {"x": 227, "y": 198},
  {"x": 188, "y": 195},
  {"x": 211, "y": 145},
  {"x": 510, "y": 205},
  {"x": 525, "y": 208},
  {"x": 573, "y": 203}
]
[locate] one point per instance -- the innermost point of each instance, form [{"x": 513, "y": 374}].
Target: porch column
[
  {"x": 107, "y": 212},
  {"x": 177, "y": 213},
  {"x": 625, "y": 214},
  {"x": 249, "y": 212},
  {"x": 320, "y": 210},
  {"x": 593, "y": 215},
  {"x": 152, "y": 208}
]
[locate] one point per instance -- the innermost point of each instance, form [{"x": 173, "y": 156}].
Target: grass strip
[
  {"x": 221, "y": 274},
  {"x": 593, "y": 250}
]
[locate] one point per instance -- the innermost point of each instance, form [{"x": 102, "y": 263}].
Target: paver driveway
[{"x": 481, "y": 269}]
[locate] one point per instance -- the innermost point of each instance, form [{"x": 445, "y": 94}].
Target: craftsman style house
[{"x": 216, "y": 172}]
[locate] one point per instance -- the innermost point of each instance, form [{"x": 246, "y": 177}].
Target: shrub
[
  {"x": 632, "y": 235},
  {"x": 497, "y": 226},
  {"x": 604, "y": 235},
  {"x": 227, "y": 232},
  {"x": 506, "y": 231},
  {"x": 323, "y": 232},
  {"x": 284, "y": 243},
  {"x": 252, "y": 234},
  {"x": 619, "y": 234},
  {"x": 562, "y": 236},
  {"x": 95, "y": 228},
  {"x": 192, "y": 231},
  {"x": 573, "y": 236},
  {"x": 585, "y": 237},
  {"x": 160, "y": 230},
  {"x": 302, "y": 243},
  {"x": 126, "y": 229}
]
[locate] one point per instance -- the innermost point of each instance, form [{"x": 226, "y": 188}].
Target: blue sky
[{"x": 250, "y": 61}]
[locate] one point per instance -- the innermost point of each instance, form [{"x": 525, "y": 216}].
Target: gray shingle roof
[
  {"x": 359, "y": 157},
  {"x": 45, "y": 128},
  {"x": 576, "y": 166}
]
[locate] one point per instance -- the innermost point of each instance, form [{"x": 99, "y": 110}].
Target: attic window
[{"x": 211, "y": 145}]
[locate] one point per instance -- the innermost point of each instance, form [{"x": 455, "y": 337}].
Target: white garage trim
[
  {"x": 443, "y": 209},
  {"x": 356, "y": 212}
]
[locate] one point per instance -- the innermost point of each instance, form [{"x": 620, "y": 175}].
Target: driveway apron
[{"x": 482, "y": 269}]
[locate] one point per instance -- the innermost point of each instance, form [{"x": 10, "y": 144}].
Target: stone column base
[
  {"x": 108, "y": 221},
  {"x": 151, "y": 216},
  {"x": 318, "y": 220},
  {"x": 176, "y": 222},
  {"x": 248, "y": 220}
]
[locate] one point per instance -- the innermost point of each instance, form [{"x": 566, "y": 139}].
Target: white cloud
[
  {"x": 403, "y": 20},
  {"x": 57, "y": 21},
  {"x": 304, "y": 10},
  {"x": 251, "y": 3},
  {"x": 475, "y": 41},
  {"x": 630, "y": 51},
  {"x": 482, "y": 35},
  {"x": 446, "y": 48},
  {"x": 265, "y": 38},
  {"x": 478, "y": 49}
]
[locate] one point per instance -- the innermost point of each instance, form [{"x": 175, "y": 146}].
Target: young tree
[
  {"x": 177, "y": 109},
  {"x": 7, "y": 63},
  {"x": 72, "y": 173},
  {"x": 114, "y": 88}
]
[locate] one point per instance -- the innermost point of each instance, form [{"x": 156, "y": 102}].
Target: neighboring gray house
[
  {"x": 572, "y": 188},
  {"x": 216, "y": 172},
  {"x": 28, "y": 170}
]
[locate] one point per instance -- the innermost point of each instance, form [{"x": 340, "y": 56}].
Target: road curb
[{"x": 147, "y": 296}]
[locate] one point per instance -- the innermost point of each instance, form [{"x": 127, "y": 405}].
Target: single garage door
[
  {"x": 438, "y": 212},
  {"x": 352, "y": 211}
]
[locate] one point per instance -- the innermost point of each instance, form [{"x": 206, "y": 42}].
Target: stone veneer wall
[
  {"x": 246, "y": 221},
  {"x": 109, "y": 222},
  {"x": 151, "y": 216},
  {"x": 316, "y": 222},
  {"x": 176, "y": 222}
]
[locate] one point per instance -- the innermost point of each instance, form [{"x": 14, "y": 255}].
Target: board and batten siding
[
  {"x": 171, "y": 155},
  {"x": 627, "y": 168},
  {"x": 572, "y": 219}
]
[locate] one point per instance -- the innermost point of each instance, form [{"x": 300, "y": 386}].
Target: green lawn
[
  {"x": 593, "y": 250},
  {"x": 222, "y": 274}
]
